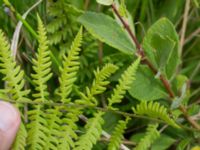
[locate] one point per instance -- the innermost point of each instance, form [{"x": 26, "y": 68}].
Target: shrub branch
[{"x": 165, "y": 82}]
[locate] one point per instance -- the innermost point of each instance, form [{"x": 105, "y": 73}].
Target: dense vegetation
[{"x": 104, "y": 74}]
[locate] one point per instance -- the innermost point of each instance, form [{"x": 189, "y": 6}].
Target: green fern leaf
[
  {"x": 14, "y": 78},
  {"x": 98, "y": 86},
  {"x": 125, "y": 82},
  {"x": 93, "y": 133},
  {"x": 38, "y": 125},
  {"x": 151, "y": 135},
  {"x": 13, "y": 75},
  {"x": 154, "y": 110},
  {"x": 70, "y": 67},
  {"x": 53, "y": 121},
  {"x": 20, "y": 140},
  {"x": 117, "y": 135},
  {"x": 68, "y": 128},
  {"x": 41, "y": 65}
]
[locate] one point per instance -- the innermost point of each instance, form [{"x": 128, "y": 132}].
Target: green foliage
[
  {"x": 65, "y": 90},
  {"x": 161, "y": 45},
  {"x": 93, "y": 132},
  {"x": 70, "y": 67},
  {"x": 107, "y": 30},
  {"x": 13, "y": 76},
  {"x": 154, "y": 110},
  {"x": 98, "y": 85},
  {"x": 117, "y": 135},
  {"x": 14, "y": 80},
  {"x": 151, "y": 135},
  {"x": 125, "y": 81},
  {"x": 146, "y": 86}
]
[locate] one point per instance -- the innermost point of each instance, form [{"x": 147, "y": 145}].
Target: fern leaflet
[
  {"x": 99, "y": 84},
  {"x": 117, "y": 135},
  {"x": 151, "y": 135},
  {"x": 125, "y": 81},
  {"x": 93, "y": 133},
  {"x": 70, "y": 67},
  {"x": 38, "y": 125},
  {"x": 154, "y": 110},
  {"x": 13, "y": 77}
]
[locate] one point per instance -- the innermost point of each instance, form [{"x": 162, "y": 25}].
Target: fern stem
[{"x": 166, "y": 84}]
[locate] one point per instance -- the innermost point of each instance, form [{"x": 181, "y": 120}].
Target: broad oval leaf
[
  {"x": 161, "y": 45},
  {"x": 107, "y": 30},
  {"x": 146, "y": 87},
  {"x": 105, "y": 2}
]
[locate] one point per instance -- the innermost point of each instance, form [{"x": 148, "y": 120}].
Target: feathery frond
[
  {"x": 154, "y": 110},
  {"x": 38, "y": 124},
  {"x": 151, "y": 135},
  {"x": 98, "y": 85},
  {"x": 13, "y": 75},
  {"x": 20, "y": 140},
  {"x": 41, "y": 65},
  {"x": 117, "y": 135},
  {"x": 93, "y": 133},
  {"x": 125, "y": 81},
  {"x": 14, "y": 78},
  {"x": 68, "y": 128},
  {"x": 70, "y": 68}
]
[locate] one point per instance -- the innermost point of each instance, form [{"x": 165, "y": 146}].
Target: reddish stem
[{"x": 140, "y": 52}]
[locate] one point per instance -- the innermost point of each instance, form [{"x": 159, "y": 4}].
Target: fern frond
[
  {"x": 20, "y": 140},
  {"x": 68, "y": 128},
  {"x": 53, "y": 121},
  {"x": 13, "y": 75},
  {"x": 14, "y": 78},
  {"x": 93, "y": 133},
  {"x": 70, "y": 68},
  {"x": 154, "y": 110},
  {"x": 41, "y": 65},
  {"x": 117, "y": 135},
  {"x": 98, "y": 85},
  {"x": 38, "y": 124},
  {"x": 125, "y": 81},
  {"x": 37, "y": 129},
  {"x": 151, "y": 135}
]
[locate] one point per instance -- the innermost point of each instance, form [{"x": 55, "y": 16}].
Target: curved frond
[
  {"x": 53, "y": 120},
  {"x": 150, "y": 136},
  {"x": 41, "y": 64},
  {"x": 98, "y": 85},
  {"x": 117, "y": 135},
  {"x": 20, "y": 140},
  {"x": 125, "y": 81},
  {"x": 13, "y": 75},
  {"x": 68, "y": 128},
  {"x": 92, "y": 133},
  {"x": 154, "y": 110},
  {"x": 14, "y": 78},
  {"x": 37, "y": 129},
  {"x": 70, "y": 68}
]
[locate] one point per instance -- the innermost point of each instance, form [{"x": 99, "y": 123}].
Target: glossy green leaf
[
  {"x": 107, "y": 30},
  {"x": 105, "y": 2},
  {"x": 146, "y": 86},
  {"x": 161, "y": 46}
]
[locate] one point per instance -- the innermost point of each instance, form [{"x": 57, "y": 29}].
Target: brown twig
[{"x": 140, "y": 52}]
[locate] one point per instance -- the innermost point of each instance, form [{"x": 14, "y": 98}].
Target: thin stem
[
  {"x": 140, "y": 53},
  {"x": 184, "y": 26}
]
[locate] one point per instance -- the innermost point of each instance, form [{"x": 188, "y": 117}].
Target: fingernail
[{"x": 8, "y": 115}]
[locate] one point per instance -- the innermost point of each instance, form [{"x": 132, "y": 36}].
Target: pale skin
[{"x": 9, "y": 124}]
